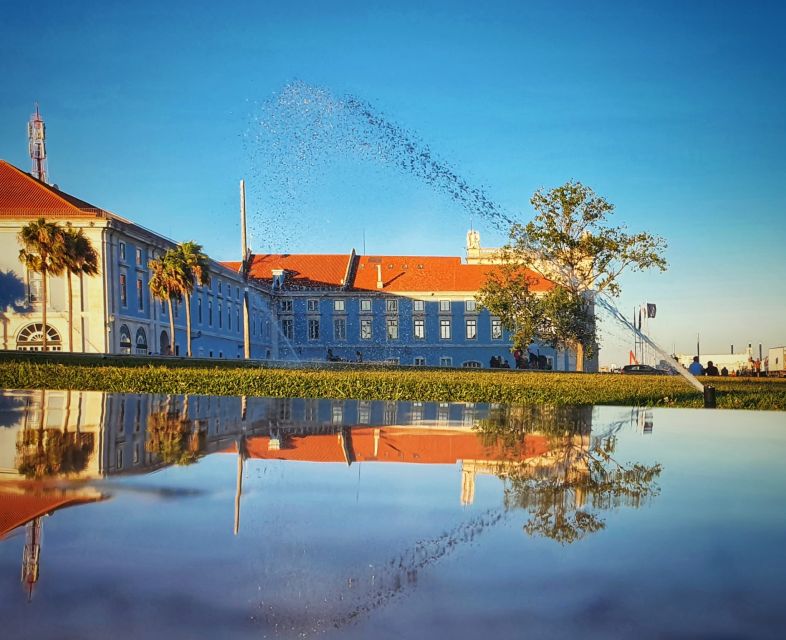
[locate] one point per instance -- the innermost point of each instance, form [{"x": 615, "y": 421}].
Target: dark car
[{"x": 643, "y": 369}]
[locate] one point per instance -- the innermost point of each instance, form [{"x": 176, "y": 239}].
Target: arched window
[
  {"x": 163, "y": 343},
  {"x": 31, "y": 338},
  {"x": 125, "y": 339},
  {"x": 471, "y": 364},
  {"x": 141, "y": 341}
]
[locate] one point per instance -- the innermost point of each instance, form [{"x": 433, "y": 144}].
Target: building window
[
  {"x": 123, "y": 290},
  {"x": 210, "y": 312},
  {"x": 139, "y": 256},
  {"x": 125, "y": 339},
  {"x": 496, "y": 329},
  {"x": 140, "y": 296},
  {"x": 338, "y": 305},
  {"x": 199, "y": 310},
  {"x": 365, "y": 304},
  {"x": 420, "y": 361},
  {"x": 444, "y": 329},
  {"x": 287, "y": 328},
  {"x": 446, "y": 361},
  {"x": 365, "y": 329},
  {"x": 418, "y": 306},
  {"x": 312, "y": 305},
  {"x": 141, "y": 342},
  {"x": 218, "y": 286},
  {"x": 123, "y": 251},
  {"x": 392, "y": 328},
  {"x": 472, "y": 328},
  {"x": 420, "y": 329},
  {"x": 313, "y": 328},
  {"x": 31, "y": 338},
  {"x": 229, "y": 318},
  {"x": 237, "y": 318},
  {"x": 391, "y": 306},
  {"x": 444, "y": 306},
  {"x": 471, "y": 364},
  {"x": 340, "y": 329},
  {"x": 176, "y": 307},
  {"x": 220, "y": 317},
  {"x": 364, "y": 412},
  {"x": 470, "y": 305},
  {"x": 285, "y": 306},
  {"x": 34, "y": 283}
]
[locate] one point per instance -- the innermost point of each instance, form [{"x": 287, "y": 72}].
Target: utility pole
[{"x": 244, "y": 266}]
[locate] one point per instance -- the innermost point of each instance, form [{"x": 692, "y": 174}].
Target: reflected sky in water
[{"x": 133, "y": 516}]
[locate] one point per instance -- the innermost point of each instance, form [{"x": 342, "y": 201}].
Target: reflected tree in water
[
  {"x": 173, "y": 437},
  {"x": 566, "y": 489},
  {"x": 47, "y": 451}
]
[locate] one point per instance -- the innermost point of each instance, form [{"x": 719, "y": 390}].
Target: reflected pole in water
[{"x": 241, "y": 455}]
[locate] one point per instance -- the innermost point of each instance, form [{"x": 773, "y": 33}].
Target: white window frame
[
  {"x": 419, "y": 361},
  {"x": 342, "y": 334},
  {"x": 391, "y": 305},
  {"x": 471, "y": 322},
  {"x": 470, "y": 306},
  {"x": 444, "y": 306},
  {"x": 313, "y": 329},
  {"x": 391, "y": 328},
  {"x": 445, "y": 361},
  {"x": 366, "y": 323},
  {"x": 365, "y": 305},
  {"x": 339, "y": 305},
  {"x": 496, "y": 323},
  {"x": 312, "y": 305},
  {"x": 419, "y": 306},
  {"x": 419, "y": 323},
  {"x": 443, "y": 324}
]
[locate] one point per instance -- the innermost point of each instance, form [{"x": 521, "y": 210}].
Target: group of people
[
  {"x": 521, "y": 360},
  {"x": 331, "y": 357},
  {"x": 697, "y": 369}
]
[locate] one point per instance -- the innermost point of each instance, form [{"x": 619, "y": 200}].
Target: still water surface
[{"x": 131, "y": 516}]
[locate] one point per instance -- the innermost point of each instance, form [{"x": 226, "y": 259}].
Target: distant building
[{"x": 408, "y": 310}]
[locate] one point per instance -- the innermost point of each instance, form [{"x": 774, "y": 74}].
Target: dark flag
[{"x": 651, "y": 310}]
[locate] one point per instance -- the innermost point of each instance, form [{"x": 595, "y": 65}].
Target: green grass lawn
[{"x": 141, "y": 375}]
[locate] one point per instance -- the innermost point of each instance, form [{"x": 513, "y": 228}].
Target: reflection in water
[
  {"x": 551, "y": 464},
  {"x": 577, "y": 476}
]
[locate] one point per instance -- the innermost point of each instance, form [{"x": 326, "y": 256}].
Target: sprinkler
[{"x": 709, "y": 397}]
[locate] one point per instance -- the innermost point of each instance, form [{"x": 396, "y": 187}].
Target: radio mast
[{"x": 36, "y": 140}]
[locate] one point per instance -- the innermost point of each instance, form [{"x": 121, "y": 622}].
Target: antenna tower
[{"x": 36, "y": 140}]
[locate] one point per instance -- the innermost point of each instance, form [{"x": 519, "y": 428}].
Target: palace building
[{"x": 407, "y": 310}]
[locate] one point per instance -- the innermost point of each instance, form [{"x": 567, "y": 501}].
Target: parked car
[{"x": 643, "y": 369}]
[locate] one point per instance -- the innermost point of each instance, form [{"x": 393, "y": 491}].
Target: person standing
[
  {"x": 695, "y": 367},
  {"x": 711, "y": 369}
]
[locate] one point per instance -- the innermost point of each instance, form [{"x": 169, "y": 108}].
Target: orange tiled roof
[
  {"x": 399, "y": 273},
  {"x": 22, "y": 195},
  {"x": 426, "y": 273},
  {"x": 418, "y": 446},
  {"x": 309, "y": 271},
  {"x": 17, "y": 508}
]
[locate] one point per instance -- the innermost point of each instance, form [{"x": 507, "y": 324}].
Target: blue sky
[{"x": 673, "y": 111}]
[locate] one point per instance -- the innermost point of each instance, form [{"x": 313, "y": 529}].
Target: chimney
[{"x": 380, "y": 284}]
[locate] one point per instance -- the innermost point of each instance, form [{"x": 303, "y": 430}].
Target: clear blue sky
[{"x": 676, "y": 112}]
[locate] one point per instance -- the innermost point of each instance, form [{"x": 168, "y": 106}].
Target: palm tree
[
  {"x": 164, "y": 286},
  {"x": 78, "y": 258},
  {"x": 43, "y": 248},
  {"x": 192, "y": 267}
]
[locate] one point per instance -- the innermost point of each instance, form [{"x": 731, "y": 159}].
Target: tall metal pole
[{"x": 244, "y": 268}]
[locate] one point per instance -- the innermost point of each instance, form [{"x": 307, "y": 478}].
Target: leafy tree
[
  {"x": 79, "y": 257},
  {"x": 43, "y": 250},
  {"x": 191, "y": 267},
  {"x": 164, "y": 285},
  {"x": 174, "y": 438},
  {"x": 569, "y": 243}
]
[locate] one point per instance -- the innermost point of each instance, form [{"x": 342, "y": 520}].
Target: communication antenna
[{"x": 36, "y": 142}]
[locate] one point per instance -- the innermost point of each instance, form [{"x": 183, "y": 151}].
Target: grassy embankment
[{"x": 127, "y": 374}]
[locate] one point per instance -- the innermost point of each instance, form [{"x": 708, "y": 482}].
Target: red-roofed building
[{"x": 409, "y": 310}]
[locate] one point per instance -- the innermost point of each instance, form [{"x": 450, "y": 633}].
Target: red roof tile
[
  {"x": 22, "y": 195},
  {"x": 18, "y": 508},
  {"x": 309, "y": 271},
  {"x": 426, "y": 273},
  {"x": 418, "y": 446},
  {"x": 400, "y": 274}
]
